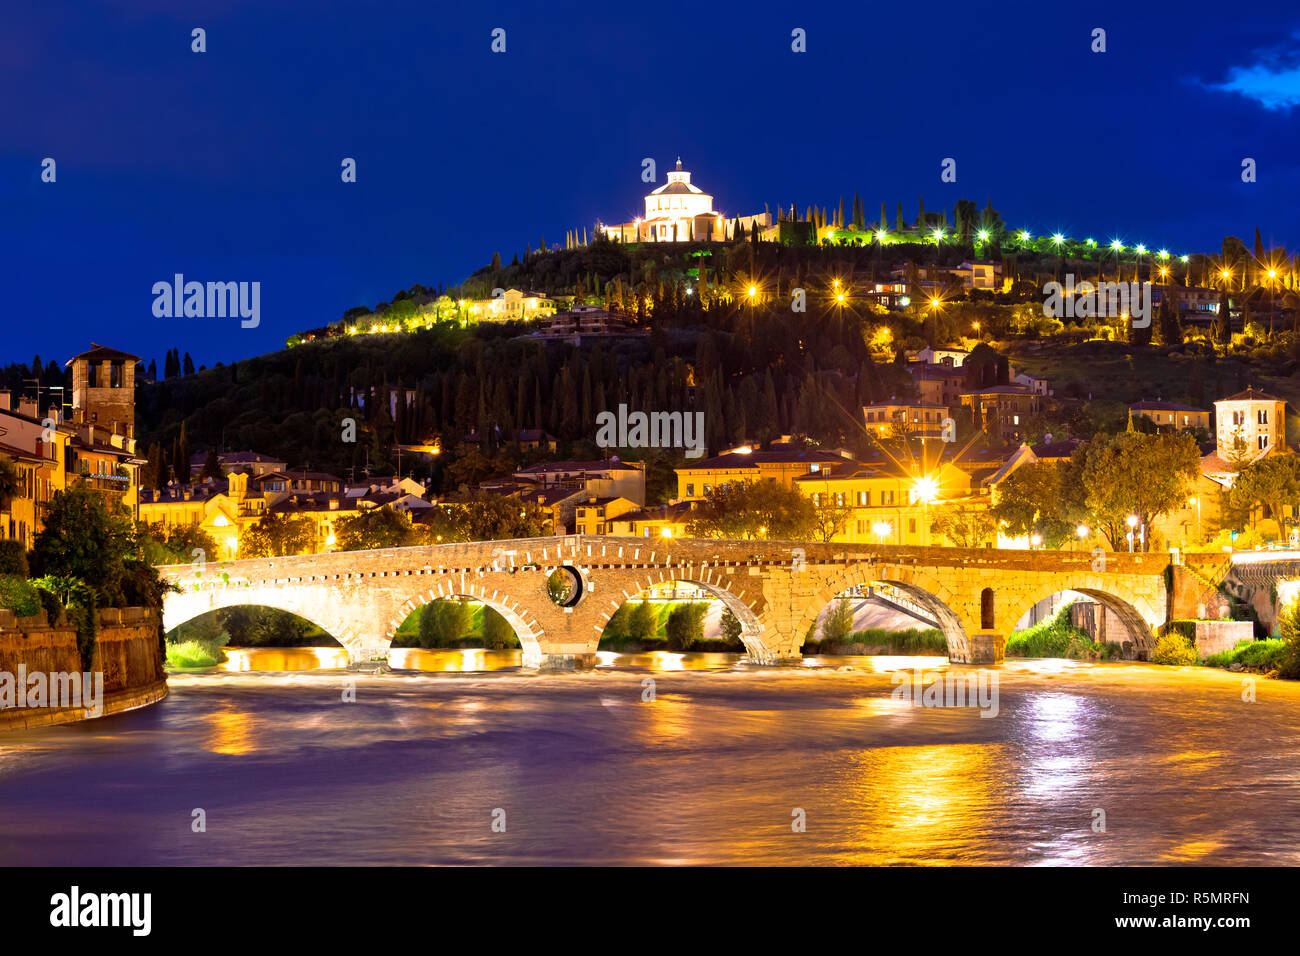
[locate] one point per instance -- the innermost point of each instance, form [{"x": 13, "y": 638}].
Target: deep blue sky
[{"x": 225, "y": 165}]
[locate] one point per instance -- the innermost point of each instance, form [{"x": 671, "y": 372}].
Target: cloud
[{"x": 1273, "y": 80}]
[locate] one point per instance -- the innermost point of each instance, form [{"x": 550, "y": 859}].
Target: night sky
[{"x": 225, "y": 165}]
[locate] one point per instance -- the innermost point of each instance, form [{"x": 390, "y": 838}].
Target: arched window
[{"x": 986, "y": 609}]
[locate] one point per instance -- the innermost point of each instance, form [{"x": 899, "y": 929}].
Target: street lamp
[
  {"x": 1082, "y": 532},
  {"x": 1034, "y": 541},
  {"x": 882, "y": 530},
  {"x": 926, "y": 490},
  {"x": 1131, "y": 521}
]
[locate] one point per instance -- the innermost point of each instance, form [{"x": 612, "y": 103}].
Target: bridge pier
[{"x": 985, "y": 648}]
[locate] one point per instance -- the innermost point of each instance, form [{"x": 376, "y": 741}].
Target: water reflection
[
  {"x": 705, "y": 771},
  {"x": 283, "y": 658}
]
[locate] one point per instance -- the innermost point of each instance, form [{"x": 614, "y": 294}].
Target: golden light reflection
[
  {"x": 230, "y": 732},
  {"x": 923, "y": 804}
]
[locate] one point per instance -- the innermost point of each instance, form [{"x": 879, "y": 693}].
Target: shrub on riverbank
[
  {"x": 194, "y": 654},
  {"x": 1175, "y": 649},
  {"x": 1260, "y": 656}
]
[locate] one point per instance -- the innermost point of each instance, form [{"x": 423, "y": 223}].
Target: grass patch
[{"x": 875, "y": 640}]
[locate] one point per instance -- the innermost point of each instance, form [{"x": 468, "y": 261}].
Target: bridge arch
[
  {"x": 525, "y": 625},
  {"x": 195, "y": 600},
  {"x": 1137, "y": 619},
  {"x": 751, "y": 630},
  {"x": 921, "y": 586}
]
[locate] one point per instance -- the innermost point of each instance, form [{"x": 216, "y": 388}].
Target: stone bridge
[{"x": 776, "y": 589}]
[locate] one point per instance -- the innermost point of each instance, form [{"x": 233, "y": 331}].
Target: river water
[{"x": 715, "y": 769}]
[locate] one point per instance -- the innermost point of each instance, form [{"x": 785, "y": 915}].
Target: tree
[
  {"x": 730, "y": 625},
  {"x": 485, "y": 517},
  {"x": 1272, "y": 482},
  {"x": 752, "y": 509},
  {"x": 383, "y": 527},
  {"x": 966, "y": 526},
  {"x": 11, "y": 480},
  {"x": 276, "y": 535},
  {"x": 643, "y": 622},
  {"x": 212, "y": 466},
  {"x": 444, "y": 623},
  {"x": 497, "y": 632},
  {"x": 86, "y": 538},
  {"x": 838, "y": 623},
  {"x": 685, "y": 625},
  {"x": 1130, "y": 473},
  {"x": 1033, "y": 500}
]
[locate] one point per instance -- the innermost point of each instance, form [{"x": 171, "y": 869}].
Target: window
[
  {"x": 115, "y": 376},
  {"x": 1263, "y": 416},
  {"x": 886, "y": 497},
  {"x": 1263, "y": 441},
  {"x": 911, "y": 526},
  {"x": 814, "y": 468},
  {"x": 864, "y": 498},
  {"x": 986, "y": 609},
  {"x": 1238, "y": 418},
  {"x": 817, "y": 499},
  {"x": 690, "y": 491},
  {"x": 839, "y": 499}
]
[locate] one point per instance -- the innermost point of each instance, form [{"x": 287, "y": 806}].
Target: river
[{"x": 715, "y": 769}]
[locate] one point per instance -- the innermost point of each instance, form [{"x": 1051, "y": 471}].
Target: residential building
[
  {"x": 696, "y": 480},
  {"x": 1171, "y": 415},
  {"x": 1002, "y": 411},
  {"x": 895, "y": 419},
  {"x": 939, "y": 384}
]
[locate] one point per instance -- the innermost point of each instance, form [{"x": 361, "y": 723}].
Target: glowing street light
[
  {"x": 1057, "y": 239},
  {"x": 982, "y": 235},
  {"x": 937, "y": 235},
  {"x": 1035, "y": 540},
  {"x": 881, "y": 236},
  {"x": 1024, "y": 235},
  {"x": 1163, "y": 254},
  {"x": 882, "y": 530},
  {"x": 1116, "y": 245}
]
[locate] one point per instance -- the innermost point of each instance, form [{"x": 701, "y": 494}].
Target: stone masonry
[{"x": 776, "y": 589}]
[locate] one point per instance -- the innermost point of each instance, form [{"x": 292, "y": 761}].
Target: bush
[
  {"x": 194, "y": 654},
  {"x": 18, "y": 595},
  {"x": 1267, "y": 655},
  {"x": 1289, "y": 626},
  {"x": 13, "y": 558},
  {"x": 1054, "y": 638},
  {"x": 1174, "y": 649}
]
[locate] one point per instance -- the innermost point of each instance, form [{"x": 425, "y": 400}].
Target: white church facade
[{"x": 679, "y": 211}]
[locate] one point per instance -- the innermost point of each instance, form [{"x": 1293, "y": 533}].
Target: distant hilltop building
[{"x": 679, "y": 211}]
